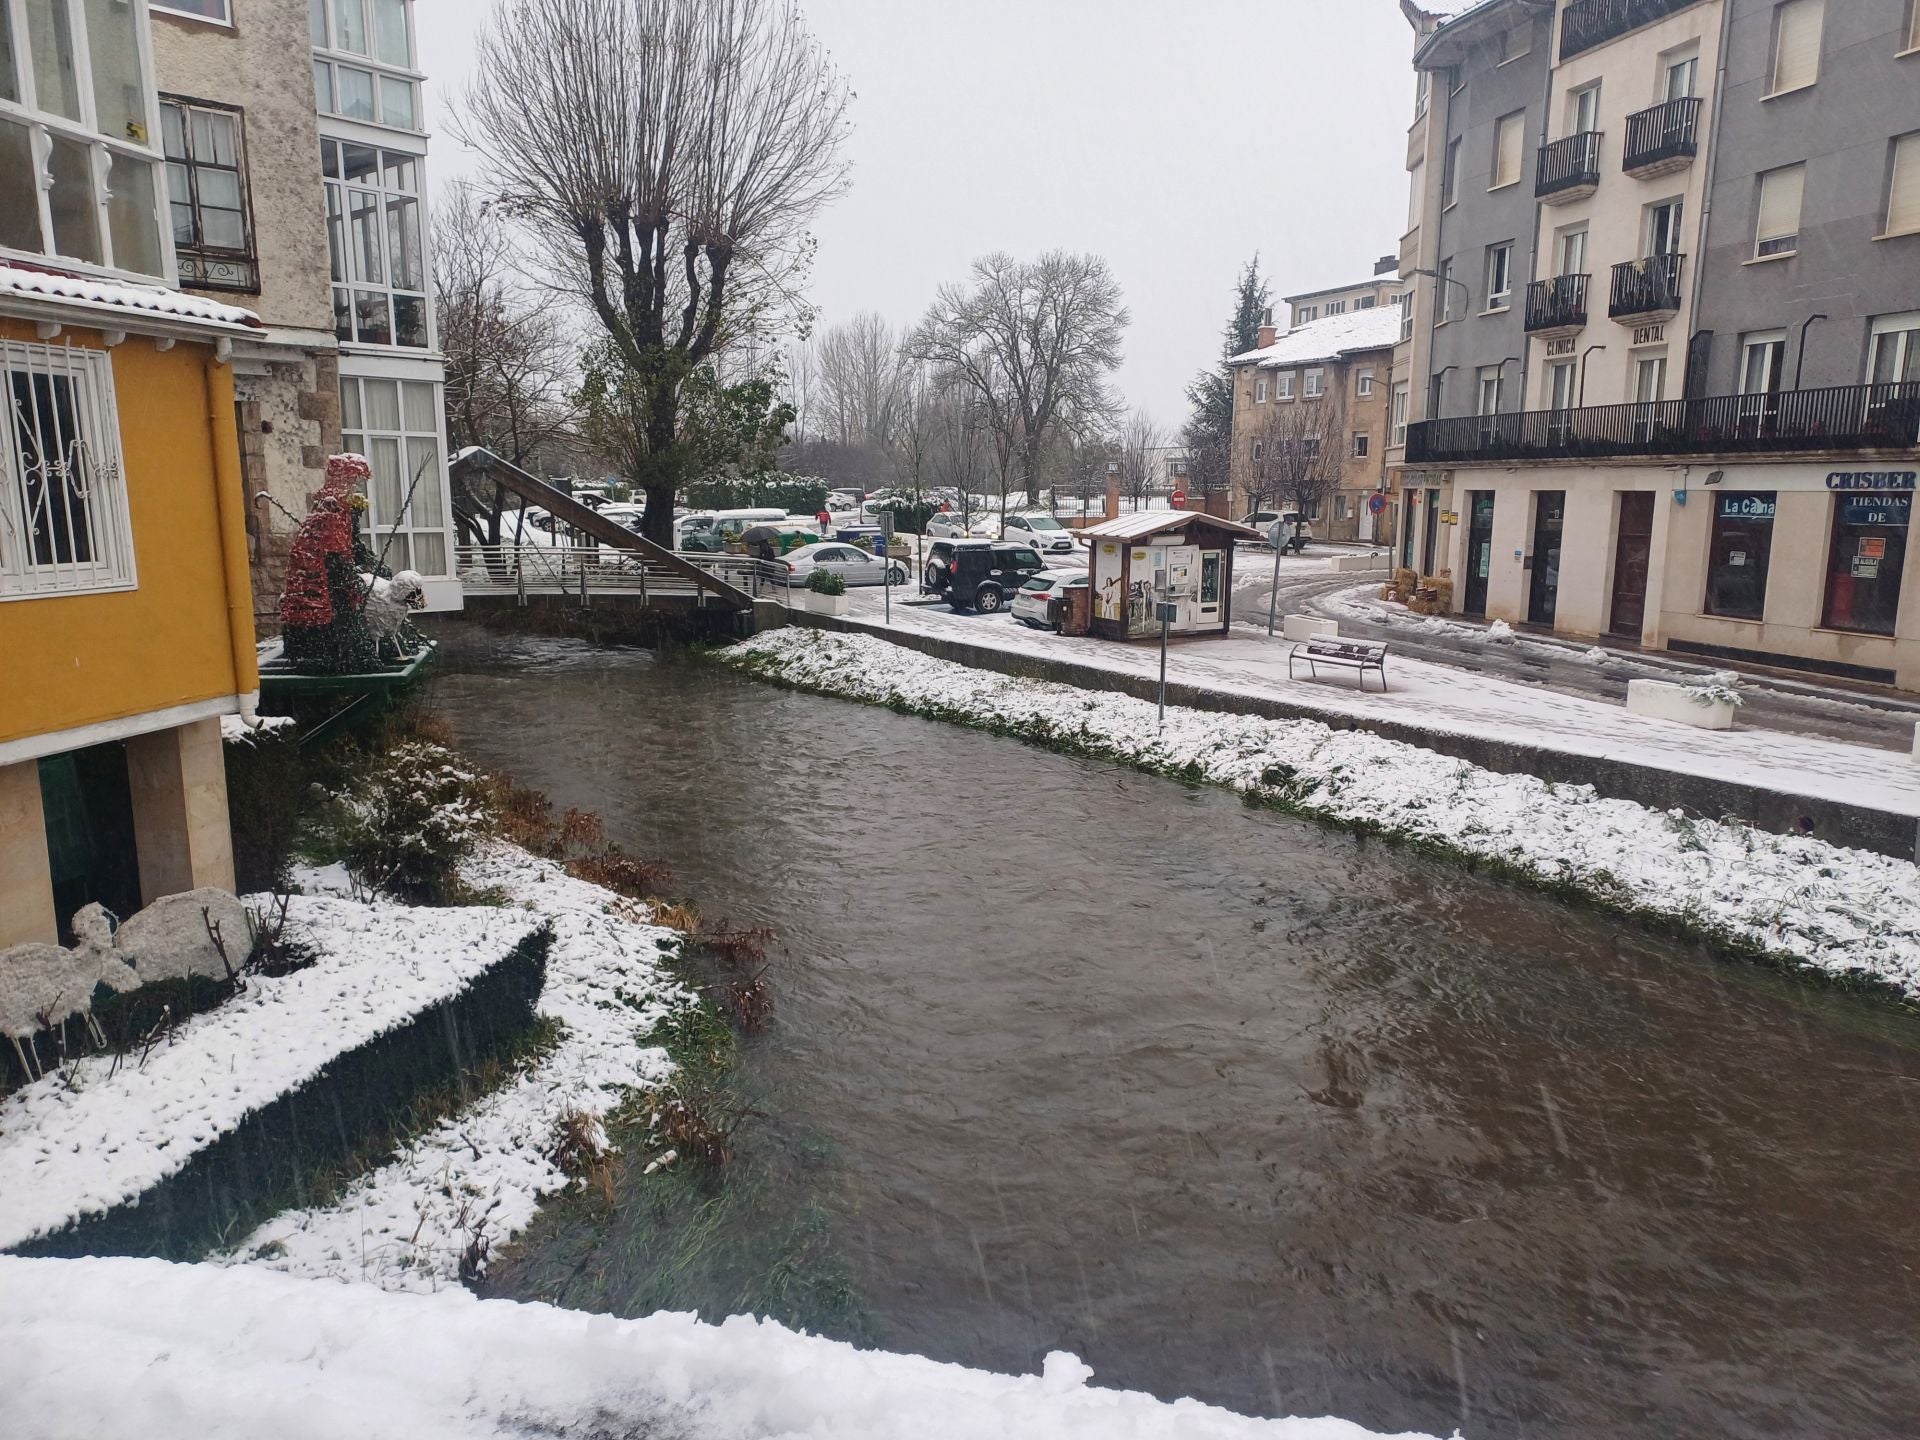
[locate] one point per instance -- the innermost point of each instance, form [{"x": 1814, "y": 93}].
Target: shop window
[
  {"x": 1737, "y": 562},
  {"x": 1867, "y": 557},
  {"x": 63, "y": 504}
]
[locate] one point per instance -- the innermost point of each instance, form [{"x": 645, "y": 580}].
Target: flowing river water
[{"x": 1236, "y": 1107}]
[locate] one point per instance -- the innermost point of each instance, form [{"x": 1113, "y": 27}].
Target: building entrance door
[
  {"x": 1432, "y": 539},
  {"x": 1632, "y": 557},
  {"x": 1543, "y": 590},
  {"x": 1479, "y": 550}
]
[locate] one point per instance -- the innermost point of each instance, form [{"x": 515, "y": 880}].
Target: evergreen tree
[{"x": 1209, "y": 430}]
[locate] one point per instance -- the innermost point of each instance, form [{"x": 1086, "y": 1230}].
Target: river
[{"x": 1236, "y": 1107}]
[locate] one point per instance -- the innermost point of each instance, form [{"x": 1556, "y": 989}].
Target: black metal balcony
[
  {"x": 1568, "y": 169},
  {"x": 1588, "y": 23},
  {"x": 1557, "y": 304},
  {"x": 1844, "y": 419},
  {"x": 1647, "y": 289},
  {"x": 1663, "y": 139}
]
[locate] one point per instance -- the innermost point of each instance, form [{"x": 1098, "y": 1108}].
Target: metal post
[
  {"x": 520, "y": 574},
  {"x": 585, "y": 603},
  {"x": 1165, "y": 625},
  {"x": 1273, "y": 600}
]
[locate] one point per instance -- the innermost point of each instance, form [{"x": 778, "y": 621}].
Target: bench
[{"x": 1361, "y": 655}]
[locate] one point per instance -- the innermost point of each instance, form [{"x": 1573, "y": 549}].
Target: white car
[
  {"x": 948, "y": 525},
  {"x": 1043, "y": 532},
  {"x": 849, "y": 562},
  {"x": 1293, "y": 521},
  {"x": 1034, "y": 602}
]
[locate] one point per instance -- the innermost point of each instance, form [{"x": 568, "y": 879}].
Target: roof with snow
[
  {"x": 1154, "y": 522},
  {"x": 130, "y": 302},
  {"x": 1329, "y": 338}
]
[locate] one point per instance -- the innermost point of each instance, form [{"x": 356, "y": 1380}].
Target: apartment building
[
  {"x": 297, "y": 150},
  {"x": 1315, "y": 401},
  {"x": 1724, "y": 271}
]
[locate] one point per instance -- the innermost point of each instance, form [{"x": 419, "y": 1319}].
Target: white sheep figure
[
  {"x": 44, "y": 986},
  {"x": 170, "y": 939},
  {"x": 391, "y": 603}
]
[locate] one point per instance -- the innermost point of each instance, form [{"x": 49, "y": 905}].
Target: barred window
[{"x": 63, "y": 507}]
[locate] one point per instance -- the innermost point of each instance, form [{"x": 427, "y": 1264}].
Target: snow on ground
[
  {"x": 99, "y": 1131},
  {"x": 1837, "y": 910},
  {"x": 234, "y": 730},
  {"x": 1447, "y": 700},
  {"x": 404, "y": 1225},
  {"x": 94, "y": 1348}
]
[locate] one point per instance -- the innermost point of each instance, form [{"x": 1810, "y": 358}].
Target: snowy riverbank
[
  {"x": 93, "y": 1348},
  {"x": 1846, "y": 913}
]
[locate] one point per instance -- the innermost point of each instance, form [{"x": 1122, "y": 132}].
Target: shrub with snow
[
  {"x": 1500, "y": 633},
  {"x": 409, "y": 822}
]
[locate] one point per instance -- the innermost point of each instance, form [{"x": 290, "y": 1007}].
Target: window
[
  {"x": 1571, "y": 248},
  {"x": 1367, "y": 302},
  {"x": 77, "y": 160},
  {"x": 1257, "y": 449},
  {"x": 1865, "y": 561},
  {"x": 1913, "y": 26},
  {"x": 1762, "y": 358},
  {"x": 373, "y": 30},
  {"x": 396, "y": 425},
  {"x": 1895, "y": 358},
  {"x": 1416, "y": 194},
  {"x": 1443, "y": 282},
  {"x": 1259, "y": 392},
  {"x": 1406, "y": 316},
  {"x": 63, "y": 508},
  {"x": 1583, "y": 111},
  {"x": 1422, "y": 89},
  {"x": 206, "y": 186},
  {"x": 1509, "y": 144},
  {"x": 1363, "y": 382},
  {"x": 375, "y": 237},
  {"x": 1778, "y": 230},
  {"x": 220, "y": 10},
  {"x": 1500, "y": 276},
  {"x": 1683, "y": 77},
  {"x": 1336, "y": 307},
  {"x": 1283, "y": 385},
  {"x": 1362, "y": 443},
  {"x": 1450, "y": 176},
  {"x": 1737, "y": 559},
  {"x": 1516, "y": 43},
  {"x": 1903, "y": 190},
  {"x": 1562, "y": 383},
  {"x": 1796, "y": 44},
  {"x": 1663, "y": 227},
  {"x": 1489, "y": 389},
  {"x": 1398, "y": 414},
  {"x": 1306, "y": 314},
  {"x": 1650, "y": 379},
  {"x": 1316, "y": 384}
]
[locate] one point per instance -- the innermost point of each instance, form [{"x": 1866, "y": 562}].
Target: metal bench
[{"x": 1361, "y": 655}]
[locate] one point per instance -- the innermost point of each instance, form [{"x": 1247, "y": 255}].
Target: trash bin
[{"x": 1078, "y": 619}]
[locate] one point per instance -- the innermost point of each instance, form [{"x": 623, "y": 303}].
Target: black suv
[{"x": 978, "y": 574}]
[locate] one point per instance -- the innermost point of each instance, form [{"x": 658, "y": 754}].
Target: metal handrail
[
  {"x": 1839, "y": 419},
  {"x": 1569, "y": 163},
  {"x": 1587, "y": 23},
  {"x": 1665, "y": 132},
  {"x": 1557, "y": 303},
  {"x": 1646, "y": 287},
  {"x": 506, "y": 569}
]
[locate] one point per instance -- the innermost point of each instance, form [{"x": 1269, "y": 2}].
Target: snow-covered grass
[
  {"x": 1846, "y": 914},
  {"x": 138, "y": 1347},
  {"x": 484, "y": 1171},
  {"x": 102, "y": 1129}
]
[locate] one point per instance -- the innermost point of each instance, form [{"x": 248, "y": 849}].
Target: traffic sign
[
  {"x": 1179, "y": 499},
  {"x": 1376, "y": 503}
]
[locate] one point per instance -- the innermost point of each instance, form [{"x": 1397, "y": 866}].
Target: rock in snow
[{"x": 96, "y": 1348}]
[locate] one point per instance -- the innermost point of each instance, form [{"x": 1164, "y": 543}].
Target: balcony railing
[
  {"x": 1567, "y": 166},
  {"x": 1663, "y": 138},
  {"x": 1557, "y": 304},
  {"x": 1844, "y": 419},
  {"x": 1644, "y": 288},
  {"x": 1588, "y": 23}
]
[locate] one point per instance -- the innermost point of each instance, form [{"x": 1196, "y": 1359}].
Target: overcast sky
[{"x": 1174, "y": 137}]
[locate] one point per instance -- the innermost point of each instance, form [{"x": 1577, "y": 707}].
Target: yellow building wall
[{"x": 73, "y": 660}]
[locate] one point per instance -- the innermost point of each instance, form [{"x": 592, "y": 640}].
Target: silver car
[{"x": 849, "y": 562}]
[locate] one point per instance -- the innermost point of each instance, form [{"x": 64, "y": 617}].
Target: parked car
[
  {"x": 853, "y": 565},
  {"x": 947, "y": 525},
  {"x": 978, "y": 574},
  {"x": 1293, "y": 520},
  {"x": 1042, "y": 601},
  {"x": 624, "y": 515},
  {"x": 1043, "y": 532}
]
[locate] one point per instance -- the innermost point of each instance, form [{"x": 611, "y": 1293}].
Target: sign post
[
  {"x": 1179, "y": 499},
  {"x": 1166, "y": 607},
  {"x": 886, "y": 558}
]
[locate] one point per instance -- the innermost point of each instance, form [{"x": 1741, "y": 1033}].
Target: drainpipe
[
  {"x": 229, "y": 492},
  {"x": 1698, "y": 288},
  {"x": 1801, "y": 363}
]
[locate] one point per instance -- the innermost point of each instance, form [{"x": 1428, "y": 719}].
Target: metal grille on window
[
  {"x": 63, "y": 512},
  {"x": 206, "y": 186}
]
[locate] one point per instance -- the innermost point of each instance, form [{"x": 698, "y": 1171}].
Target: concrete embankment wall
[{"x": 1883, "y": 831}]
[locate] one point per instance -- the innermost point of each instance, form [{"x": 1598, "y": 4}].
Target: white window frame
[
  {"x": 1501, "y": 299},
  {"x": 1491, "y": 389},
  {"x": 1912, "y": 46},
  {"x": 1362, "y": 444},
  {"x": 1363, "y": 382},
  {"x": 1781, "y": 21},
  {"x": 1791, "y": 239},
  {"x": 331, "y": 57},
  {"x": 1406, "y": 316},
  {"x": 95, "y": 448},
  {"x": 1518, "y": 123},
  {"x": 176, "y": 7},
  {"x": 1904, "y": 332},
  {"x": 1283, "y": 385},
  {"x": 358, "y": 439},
  {"x": 1904, "y": 166},
  {"x": 1450, "y": 175},
  {"x": 1774, "y": 342},
  {"x": 1315, "y": 385},
  {"x": 44, "y": 126},
  {"x": 1260, "y": 392},
  {"x": 1398, "y": 414},
  {"x": 347, "y": 282}
]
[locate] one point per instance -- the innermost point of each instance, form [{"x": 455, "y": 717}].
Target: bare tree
[
  {"x": 671, "y": 155},
  {"x": 509, "y": 356},
  {"x": 1295, "y": 455},
  {"x": 1035, "y": 341},
  {"x": 863, "y": 379},
  {"x": 1138, "y": 442}
]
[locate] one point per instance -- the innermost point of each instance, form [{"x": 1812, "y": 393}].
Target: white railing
[{"x": 591, "y": 570}]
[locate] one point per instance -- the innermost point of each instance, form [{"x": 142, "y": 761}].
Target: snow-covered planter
[
  {"x": 1707, "y": 706},
  {"x": 818, "y": 603}
]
